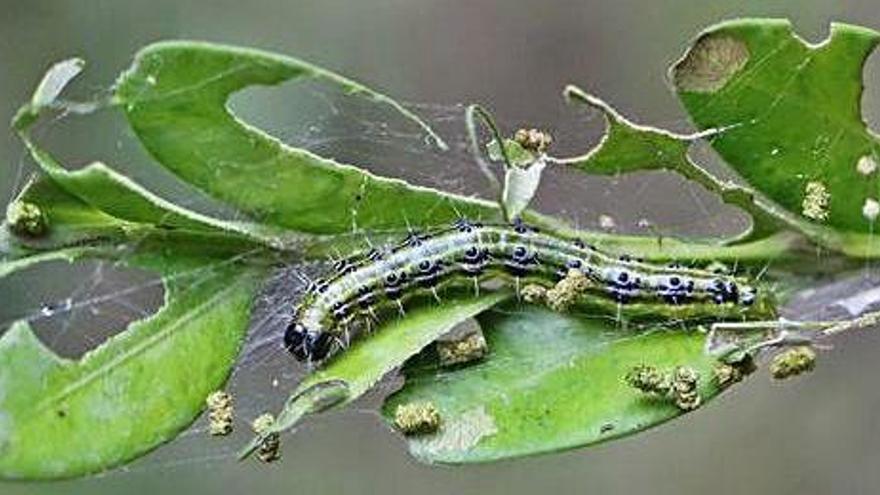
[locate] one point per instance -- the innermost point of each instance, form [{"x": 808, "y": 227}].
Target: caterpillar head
[{"x": 305, "y": 344}]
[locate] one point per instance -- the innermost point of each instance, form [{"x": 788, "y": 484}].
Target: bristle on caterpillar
[{"x": 385, "y": 281}]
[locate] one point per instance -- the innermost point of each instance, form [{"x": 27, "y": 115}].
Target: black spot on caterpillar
[{"x": 469, "y": 253}]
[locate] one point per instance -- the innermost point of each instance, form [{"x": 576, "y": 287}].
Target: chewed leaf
[
  {"x": 790, "y": 114},
  {"x": 73, "y": 222},
  {"x": 120, "y": 197},
  {"x": 63, "y": 418},
  {"x": 100, "y": 188},
  {"x": 22, "y": 262},
  {"x": 357, "y": 370},
  {"x": 175, "y": 99},
  {"x": 551, "y": 382},
  {"x": 630, "y": 147}
]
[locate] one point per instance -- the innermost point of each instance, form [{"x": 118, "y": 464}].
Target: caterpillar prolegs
[{"x": 471, "y": 254}]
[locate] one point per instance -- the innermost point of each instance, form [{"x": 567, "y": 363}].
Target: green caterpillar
[{"x": 470, "y": 253}]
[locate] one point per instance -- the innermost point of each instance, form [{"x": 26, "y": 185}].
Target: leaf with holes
[
  {"x": 63, "y": 418},
  {"x": 628, "y": 147},
  {"x": 175, "y": 99},
  {"x": 551, "y": 382},
  {"x": 791, "y": 120}
]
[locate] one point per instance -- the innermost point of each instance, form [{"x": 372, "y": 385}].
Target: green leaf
[
  {"x": 63, "y": 418},
  {"x": 73, "y": 222},
  {"x": 14, "y": 264},
  {"x": 789, "y": 110},
  {"x": 629, "y": 147},
  {"x": 125, "y": 200},
  {"x": 356, "y": 371},
  {"x": 105, "y": 190},
  {"x": 551, "y": 382},
  {"x": 175, "y": 99}
]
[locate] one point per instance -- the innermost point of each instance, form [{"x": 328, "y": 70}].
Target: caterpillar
[{"x": 470, "y": 254}]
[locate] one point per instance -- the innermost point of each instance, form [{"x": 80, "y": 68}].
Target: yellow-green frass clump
[
  {"x": 417, "y": 418},
  {"x": 793, "y": 362},
  {"x": 26, "y": 219}
]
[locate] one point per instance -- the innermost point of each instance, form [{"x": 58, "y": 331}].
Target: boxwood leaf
[
  {"x": 629, "y": 147},
  {"x": 791, "y": 116},
  {"x": 174, "y": 96},
  {"x": 105, "y": 190},
  {"x": 62, "y": 418},
  {"x": 551, "y": 382}
]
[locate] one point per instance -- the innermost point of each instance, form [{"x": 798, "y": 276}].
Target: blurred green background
[{"x": 818, "y": 434}]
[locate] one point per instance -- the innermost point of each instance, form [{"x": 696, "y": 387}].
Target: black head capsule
[
  {"x": 295, "y": 340},
  {"x": 305, "y": 345},
  {"x": 731, "y": 292}
]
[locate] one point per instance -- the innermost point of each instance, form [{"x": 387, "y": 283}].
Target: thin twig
[{"x": 471, "y": 114}]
